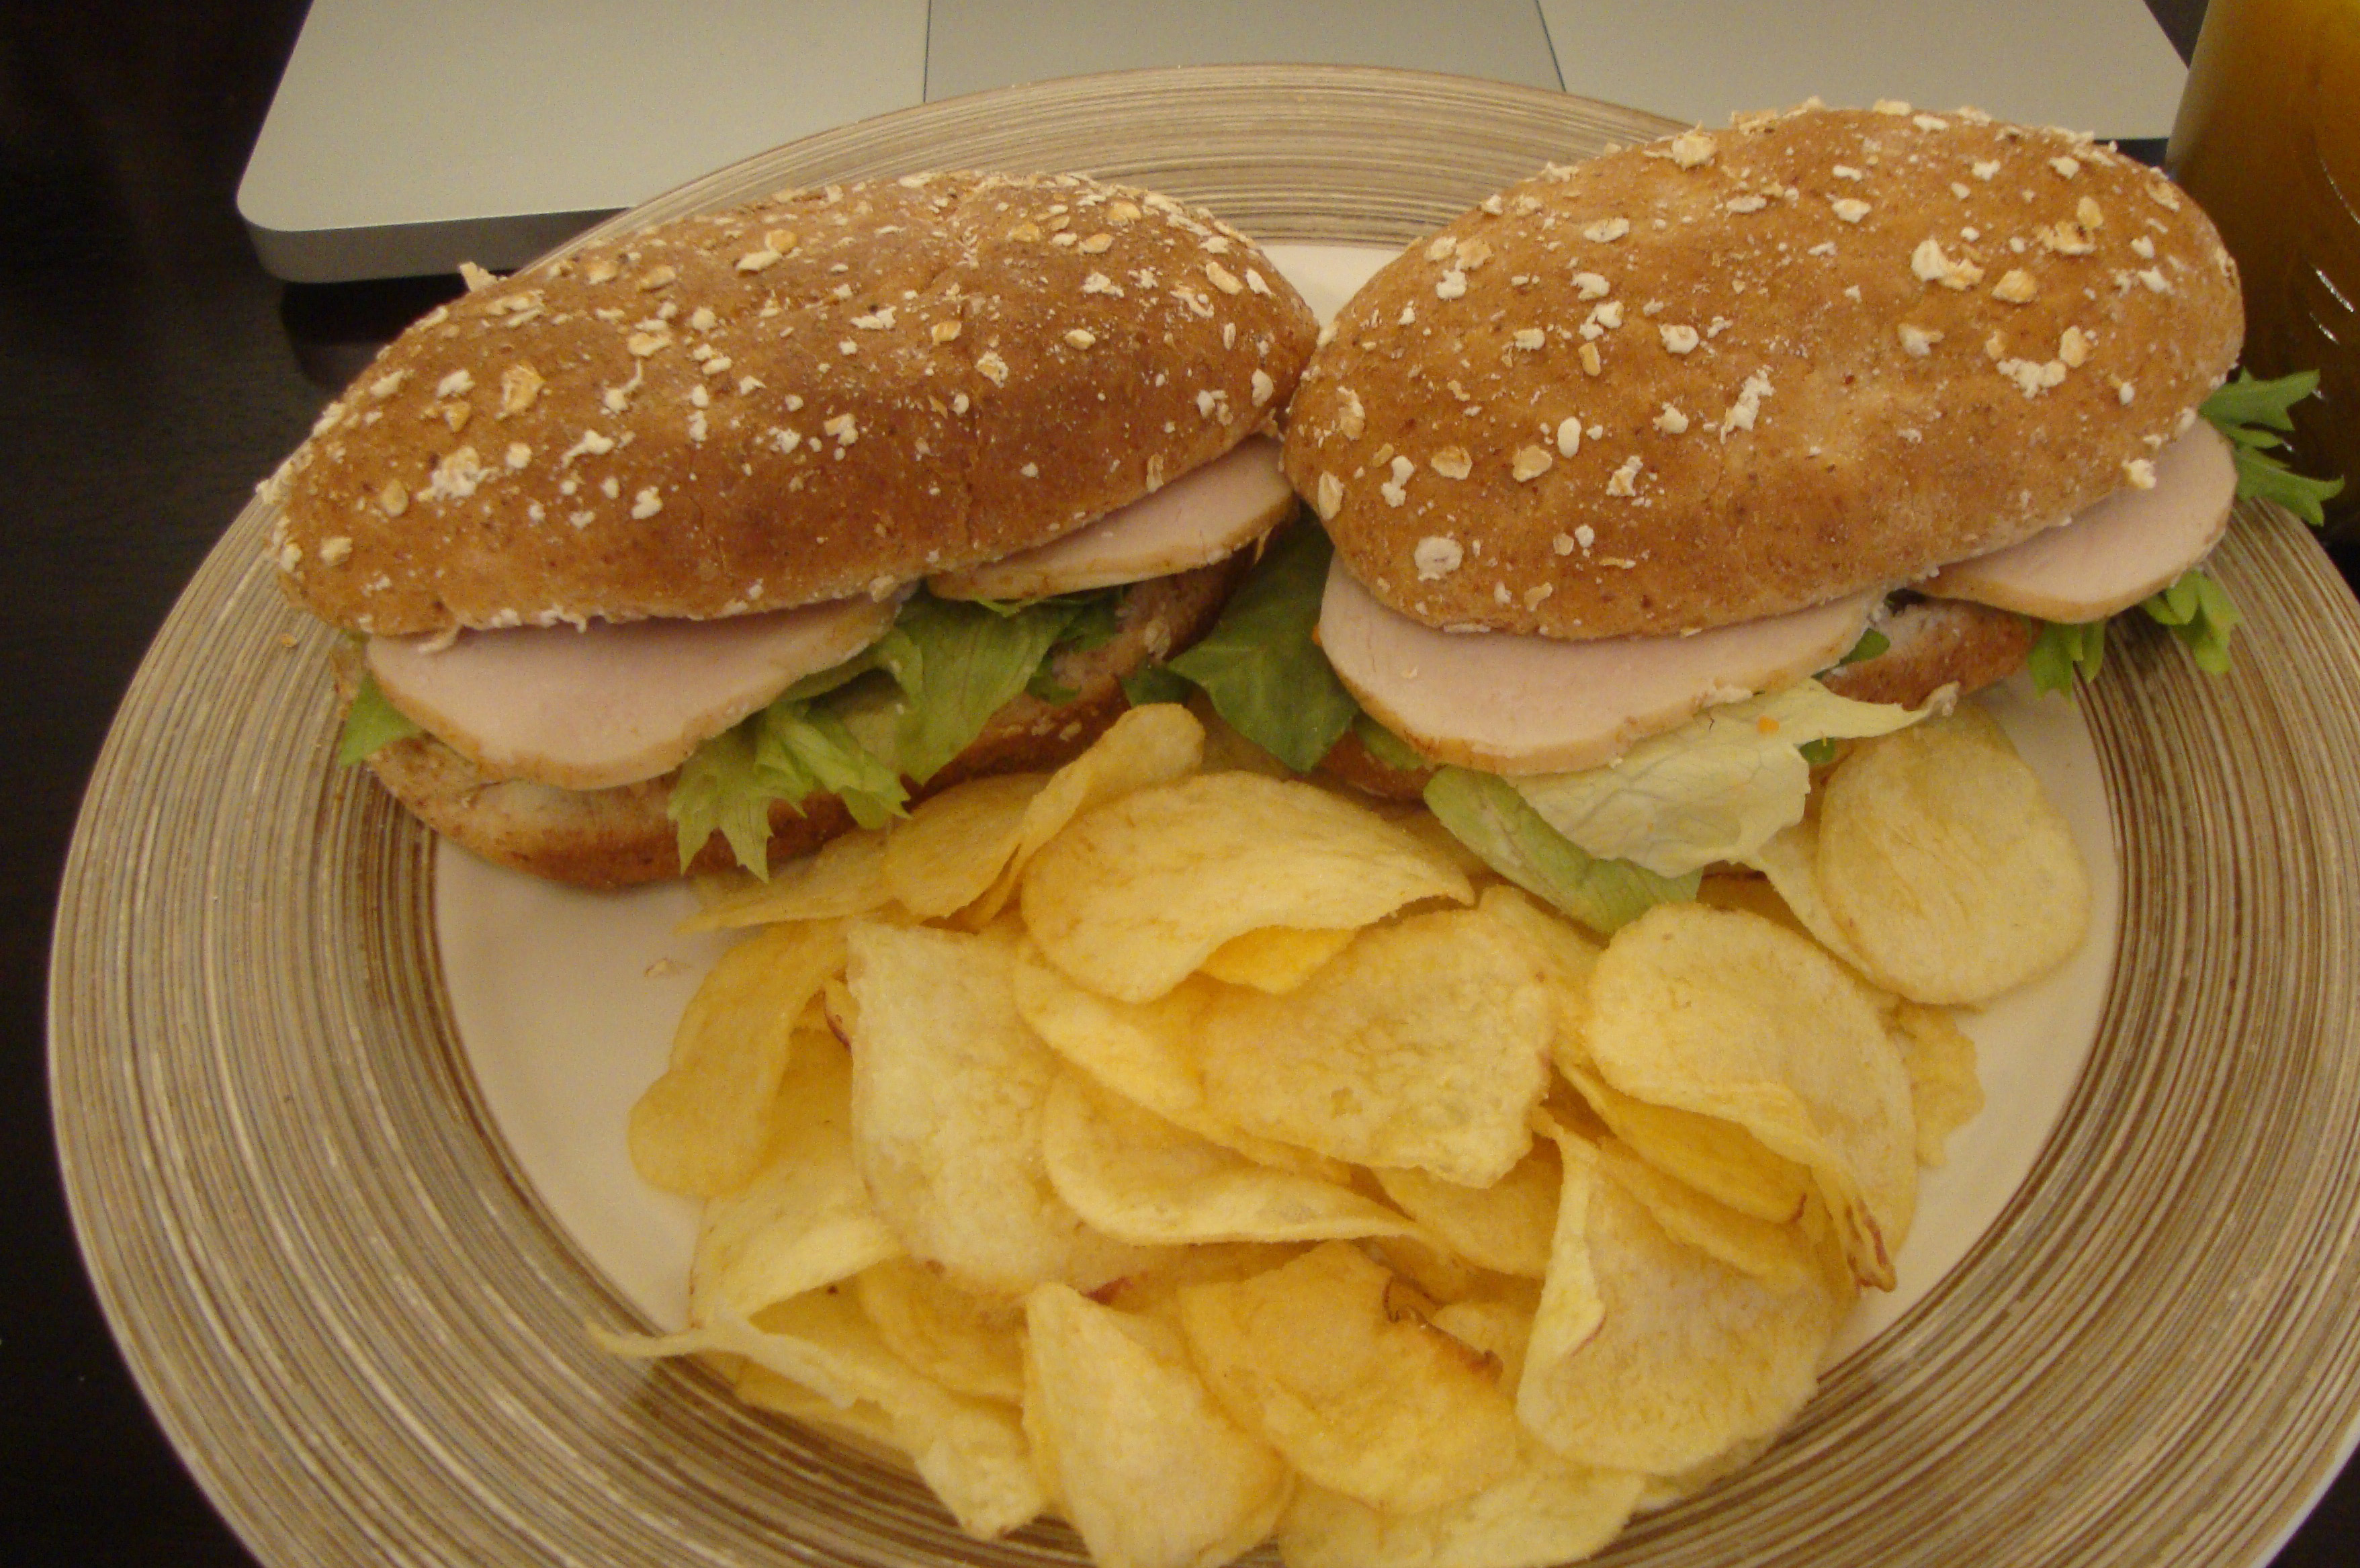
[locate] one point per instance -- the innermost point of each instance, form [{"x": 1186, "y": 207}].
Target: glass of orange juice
[{"x": 2268, "y": 140}]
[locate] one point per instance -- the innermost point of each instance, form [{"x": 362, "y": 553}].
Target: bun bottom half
[
  {"x": 1933, "y": 644},
  {"x": 615, "y": 838}
]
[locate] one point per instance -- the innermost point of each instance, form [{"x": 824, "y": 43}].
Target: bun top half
[
  {"x": 829, "y": 392},
  {"x": 1730, "y": 374}
]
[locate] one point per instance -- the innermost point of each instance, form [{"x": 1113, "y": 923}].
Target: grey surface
[
  {"x": 977, "y": 44},
  {"x": 2104, "y": 66},
  {"x": 408, "y": 136}
]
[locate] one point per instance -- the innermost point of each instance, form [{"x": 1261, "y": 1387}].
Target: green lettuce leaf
[
  {"x": 2250, "y": 413},
  {"x": 2199, "y": 614},
  {"x": 1260, "y": 666},
  {"x": 1387, "y": 747},
  {"x": 2065, "y": 650},
  {"x": 902, "y": 707},
  {"x": 1484, "y": 812},
  {"x": 371, "y": 723},
  {"x": 957, "y": 663},
  {"x": 1154, "y": 683},
  {"x": 1713, "y": 789}
]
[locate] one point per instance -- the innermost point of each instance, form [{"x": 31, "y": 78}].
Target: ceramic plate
[{"x": 349, "y": 1201}]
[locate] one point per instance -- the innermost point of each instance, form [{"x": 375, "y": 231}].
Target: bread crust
[
  {"x": 1851, "y": 346},
  {"x": 828, "y": 392},
  {"x": 614, "y": 837},
  {"x": 1933, "y": 644}
]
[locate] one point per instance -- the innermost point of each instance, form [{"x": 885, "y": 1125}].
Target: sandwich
[
  {"x": 1652, "y": 479},
  {"x": 699, "y": 545}
]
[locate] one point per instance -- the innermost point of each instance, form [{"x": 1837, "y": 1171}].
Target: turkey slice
[
  {"x": 2133, "y": 543},
  {"x": 1206, "y": 514},
  {"x": 1516, "y": 704},
  {"x": 615, "y": 702}
]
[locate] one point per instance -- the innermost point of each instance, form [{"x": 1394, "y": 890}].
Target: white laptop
[{"x": 408, "y": 137}]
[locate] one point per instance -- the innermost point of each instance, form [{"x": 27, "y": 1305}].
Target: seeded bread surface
[
  {"x": 1729, "y": 374},
  {"x": 829, "y": 392},
  {"x": 615, "y": 838}
]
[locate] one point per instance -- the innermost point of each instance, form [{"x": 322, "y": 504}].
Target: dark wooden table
[{"x": 150, "y": 374}]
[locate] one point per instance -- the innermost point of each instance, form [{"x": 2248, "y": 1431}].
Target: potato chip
[
  {"x": 1146, "y": 746},
  {"x": 1144, "y": 1053},
  {"x": 1424, "y": 1044},
  {"x": 1673, "y": 1357},
  {"x": 1945, "y": 865},
  {"x": 967, "y": 1344},
  {"x": 1546, "y": 1510},
  {"x": 955, "y": 845},
  {"x": 972, "y": 1452},
  {"x": 1778, "y": 1255},
  {"x": 1276, "y": 959},
  {"x": 804, "y": 1220},
  {"x": 1154, "y": 1291},
  {"x": 701, "y": 1129},
  {"x": 863, "y": 1420},
  {"x": 1717, "y": 1157},
  {"x": 1375, "y": 1404},
  {"x": 1728, "y": 1015},
  {"x": 1134, "y": 895},
  {"x": 1941, "y": 1060},
  {"x": 948, "y": 1088},
  {"x": 1132, "y": 1175},
  {"x": 1146, "y": 1466},
  {"x": 1567, "y": 955},
  {"x": 1505, "y": 1227},
  {"x": 844, "y": 878},
  {"x": 1494, "y": 1326},
  {"x": 1662, "y": 1491}
]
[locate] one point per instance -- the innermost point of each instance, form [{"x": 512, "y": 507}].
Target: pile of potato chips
[{"x": 1205, "y": 1157}]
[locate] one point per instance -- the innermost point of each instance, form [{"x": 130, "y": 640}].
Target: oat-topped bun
[
  {"x": 1734, "y": 374},
  {"x": 703, "y": 545},
  {"x": 830, "y": 392}
]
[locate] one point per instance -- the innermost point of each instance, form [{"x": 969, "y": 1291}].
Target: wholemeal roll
[
  {"x": 1642, "y": 436},
  {"x": 1730, "y": 374},
  {"x": 813, "y": 418}
]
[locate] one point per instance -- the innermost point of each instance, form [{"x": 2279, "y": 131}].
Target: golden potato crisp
[
  {"x": 1373, "y": 1403},
  {"x": 1728, "y": 1015},
  {"x": 1946, "y": 866},
  {"x": 1276, "y": 959},
  {"x": 965, "y": 1343},
  {"x": 1146, "y": 1466},
  {"x": 1940, "y": 1059},
  {"x": 956, "y": 844},
  {"x": 1505, "y": 1227},
  {"x": 1145, "y": 1054},
  {"x": 1134, "y": 1176},
  {"x": 948, "y": 1088},
  {"x": 700, "y": 1130},
  {"x": 1136, "y": 894},
  {"x": 1687, "y": 1356},
  {"x": 843, "y": 878},
  {"x": 1546, "y": 1510},
  {"x": 1778, "y": 1255},
  {"x": 1567, "y": 955},
  {"x": 1719, "y": 1159},
  {"x": 804, "y": 1220},
  {"x": 1423, "y": 1045},
  {"x": 972, "y": 1452}
]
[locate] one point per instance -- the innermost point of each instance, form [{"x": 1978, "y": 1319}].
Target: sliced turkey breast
[
  {"x": 612, "y": 703},
  {"x": 1204, "y": 515},
  {"x": 1512, "y": 705},
  {"x": 2133, "y": 543}
]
